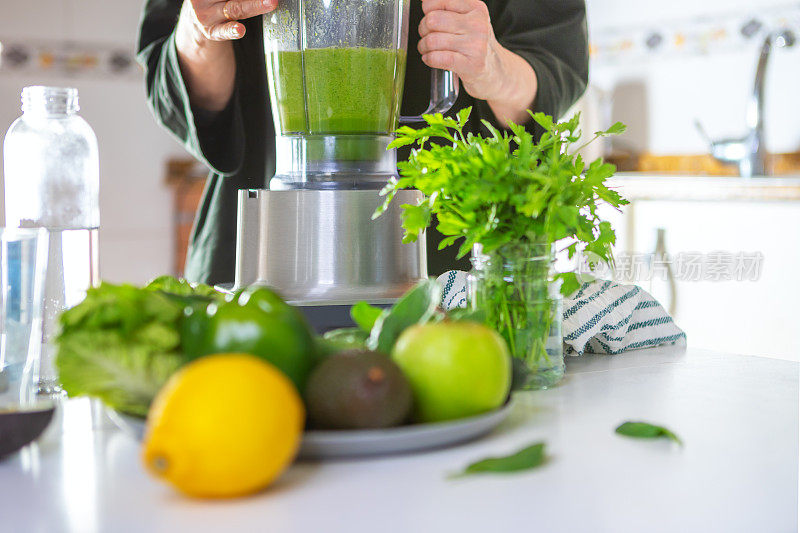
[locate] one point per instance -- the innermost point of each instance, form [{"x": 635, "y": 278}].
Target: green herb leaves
[
  {"x": 417, "y": 305},
  {"x": 365, "y": 315},
  {"x": 505, "y": 188},
  {"x": 534, "y": 455},
  {"x": 525, "y": 459},
  {"x": 643, "y": 430}
]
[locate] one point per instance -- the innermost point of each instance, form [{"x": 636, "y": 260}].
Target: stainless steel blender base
[{"x": 322, "y": 248}]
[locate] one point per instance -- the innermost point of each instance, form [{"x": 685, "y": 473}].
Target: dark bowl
[{"x": 22, "y": 426}]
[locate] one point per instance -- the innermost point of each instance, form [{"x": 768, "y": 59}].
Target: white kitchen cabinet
[{"x": 756, "y": 313}]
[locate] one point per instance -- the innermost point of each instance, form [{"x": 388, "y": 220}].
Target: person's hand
[
  {"x": 218, "y": 20},
  {"x": 457, "y": 35}
]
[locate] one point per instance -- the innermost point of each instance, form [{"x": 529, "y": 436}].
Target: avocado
[{"x": 357, "y": 389}]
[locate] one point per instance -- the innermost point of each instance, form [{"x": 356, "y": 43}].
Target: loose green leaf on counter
[
  {"x": 644, "y": 430},
  {"x": 365, "y": 315},
  {"x": 418, "y": 305},
  {"x": 525, "y": 459}
]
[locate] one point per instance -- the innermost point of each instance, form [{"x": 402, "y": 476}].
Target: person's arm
[
  {"x": 514, "y": 56},
  {"x": 199, "y": 55},
  {"x": 205, "y": 52},
  {"x": 190, "y": 74}
]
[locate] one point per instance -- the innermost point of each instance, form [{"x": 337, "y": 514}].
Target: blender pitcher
[{"x": 336, "y": 70}]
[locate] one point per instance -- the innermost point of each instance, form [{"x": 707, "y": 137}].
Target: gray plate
[
  {"x": 404, "y": 439},
  {"x": 318, "y": 444}
]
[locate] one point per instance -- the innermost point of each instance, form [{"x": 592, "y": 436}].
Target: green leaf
[
  {"x": 338, "y": 340},
  {"x": 451, "y": 224},
  {"x": 406, "y": 131},
  {"x": 410, "y": 237},
  {"x": 463, "y": 115},
  {"x": 494, "y": 131},
  {"x": 644, "y": 430},
  {"x": 447, "y": 241},
  {"x": 616, "y": 129},
  {"x": 365, "y": 315},
  {"x": 570, "y": 126},
  {"x": 181, "y": 287},
  {"x": 569, "y": 284},
  {"x": 121, "y": 343},
  {"x": 464, "y": 249},
  {"x": 418, "y": 305},
  {"x": 544, "y": 121},
  {"x": 598, "y": 172},
  {"x": 416, "y": 217},
  {"x": 399, "y": 142},
  {"x": 381, "y": 209},
  {"x": 525, "y": 459}
]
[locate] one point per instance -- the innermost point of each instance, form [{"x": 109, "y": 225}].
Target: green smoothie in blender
[{"x": 347, "y": 91}]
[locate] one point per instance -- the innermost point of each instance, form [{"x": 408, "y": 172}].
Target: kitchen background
[{"x": 657, "y": 66}]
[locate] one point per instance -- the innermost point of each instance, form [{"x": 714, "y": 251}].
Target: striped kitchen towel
[{"x": 602, "y": 317}]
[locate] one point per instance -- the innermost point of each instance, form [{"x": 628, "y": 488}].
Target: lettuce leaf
[
  {"x": 120, "y": 345},
  {"x": 181, "y": 287}
]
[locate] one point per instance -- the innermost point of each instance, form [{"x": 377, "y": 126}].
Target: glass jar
[
  {"x": 514, "y": 287},
  {"x": 52, "y": 181}
]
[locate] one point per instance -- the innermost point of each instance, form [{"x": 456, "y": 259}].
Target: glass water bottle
[{"x": 52, "y": 181}]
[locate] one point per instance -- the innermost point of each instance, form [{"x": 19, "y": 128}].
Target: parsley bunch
[{"x": 506, "y": 189}]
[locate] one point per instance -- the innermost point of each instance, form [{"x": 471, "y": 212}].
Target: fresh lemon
[{"x": 224, "y": 425}]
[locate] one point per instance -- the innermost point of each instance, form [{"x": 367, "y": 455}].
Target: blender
[{"x": 336, "y": 70}]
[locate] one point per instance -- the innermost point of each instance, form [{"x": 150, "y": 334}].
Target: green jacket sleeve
[
  {"x": 214, "y": 138},
  {"x": 551, "y": 35}
]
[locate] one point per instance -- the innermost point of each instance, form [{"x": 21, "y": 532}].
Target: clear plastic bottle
[{"x": 51, "y": 174}]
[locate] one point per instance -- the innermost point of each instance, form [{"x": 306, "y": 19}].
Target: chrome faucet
[{"x": 749, "y": 152}]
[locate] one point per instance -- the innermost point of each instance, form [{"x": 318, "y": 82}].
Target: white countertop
[
  {"x": 738, "y": 470},
  {"x": 678, "y": 187}
]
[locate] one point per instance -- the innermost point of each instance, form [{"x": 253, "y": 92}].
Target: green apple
[{"x": 456, "y": 369}]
